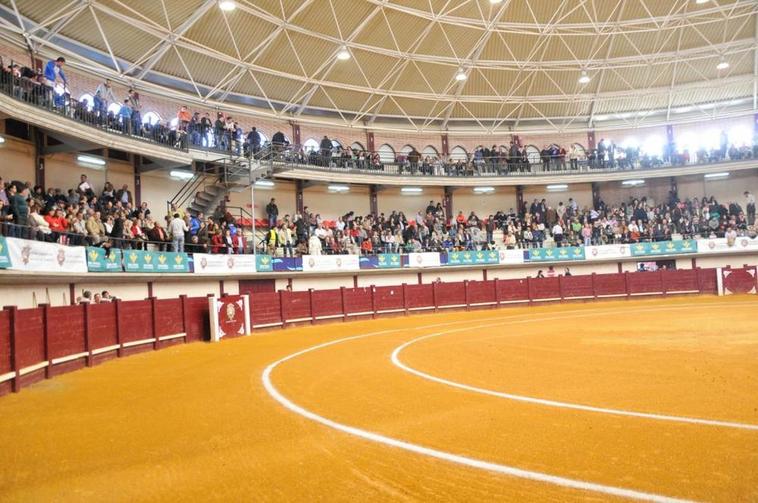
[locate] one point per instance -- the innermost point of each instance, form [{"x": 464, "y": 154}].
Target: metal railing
[{"x": 60, "y": 102}]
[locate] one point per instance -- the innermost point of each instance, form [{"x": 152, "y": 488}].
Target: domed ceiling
[{"x": 473, "y": 65}]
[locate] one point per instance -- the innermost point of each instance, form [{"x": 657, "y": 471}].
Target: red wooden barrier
[
  {"x": 7, "y": 358},
  {"x": 297, "y": 306},
  {"x": 388, "y": 299},
  {"x": 451, "y": 295},
  {"x": 680, "y": 281},
  {"x": 327, "y": 304},
  {"x": 481, "y": 293},
  {"x": 576, "y": 287},
  {"x": 358, "y": 301},
  {"x": 197, "y": 319},
  {"x": 544, "y": 289},
  {"x": 609, "y": 285},
  {"x": 265, "y": 309},
  {"x": 644, "y": 283},
  {"x": 511, "y": 291},
  {"x": 419, "y": 297}
]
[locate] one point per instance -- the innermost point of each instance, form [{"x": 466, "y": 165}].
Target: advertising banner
[
  {"x": 721, "y": 245},
  {"x": 323, "y": 263},
  {"x": 424, "y": 260},
  {"x": 511, "y": 256},
  {"x": 282, "y": 264},
  {"x": 473, "y": 257},
  {"x": 102, "y": 260},
  {"x": 5, "y": 258},
  {"x": 263, "y": 263},
  {"x": 606, "y": 252},
  {"x": 664, "y": 248},
  {"x": 38, "y": 256},
  {"x": 159, "y": 262},
  {"x": 230, "y": 316},
  {"x": 223, "y": 264},
  {"x": 382, "y": 261},
  {"x": 555, "y": 254}
]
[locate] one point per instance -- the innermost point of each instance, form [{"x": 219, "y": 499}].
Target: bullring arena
[{"x": 351, "y": 250}]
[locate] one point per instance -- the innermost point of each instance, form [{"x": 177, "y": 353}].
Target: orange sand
[{"x": 194, "y": 422}]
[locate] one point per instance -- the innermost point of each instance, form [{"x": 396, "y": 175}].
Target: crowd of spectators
[
  {"x": 109, "y": 218},
  {"x": 537, "y": 224}
]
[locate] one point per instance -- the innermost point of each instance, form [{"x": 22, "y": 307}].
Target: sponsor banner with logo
[
  {"x": 606, "y": 252},
  {"x": 664, "y": 248},
  {"x": 229, "y": 316},
  {"x": 102, "y": 260},
  {"x": 284, "y": 264},
  {"x": 510, "y": 257},
  {"x": 223, "y": 264},
  {"x": 45, "y": 257},
  {"x": 721, "y": 245},
  {"x": 424, "y": 260},
  {"x": 555, "y": 254},
  {"x": 473, "y": 257},
  {"x": 321, "y": 263},
  {"x": 382, "y": 261},
  {"x": 159, "y": 262},
  {"x": 5, "y": 258},
  {"x": 264, "y": 263}
]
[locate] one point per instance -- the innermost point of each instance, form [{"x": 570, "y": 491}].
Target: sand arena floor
[{"x": 645, "y": 399}]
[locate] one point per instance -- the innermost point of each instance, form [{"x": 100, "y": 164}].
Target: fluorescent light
[
  {"x": 88, "y": 159},
  {"x": 723, "y": 64},
  {"x": 411, "y": 190},
  {"x": 496, "y": 1},
  {"x": 264, "y": 183},
  {"x": 682, "y": 110},
  {"x": 724, "y": 174},
  {"x": 557, "y": 187},
  {"x": 700, "y": 2},
  {"x": 601, "y": 117},
  {"x": 344, "y": 54},
  {"x": 633, "y": 183},
  {"x": 338, "y": 188},
  {"x": 2, "y": 139},
  {"x": 484, "y": 190},
  {"x": 584, "y": 78},
  {"x": 181, "y": 175},
  {"x": 461, "y": 76},
  {"x": 227, "y": 5}
]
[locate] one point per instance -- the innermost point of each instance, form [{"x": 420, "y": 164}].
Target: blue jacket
[{"x": 50, "y": 72}]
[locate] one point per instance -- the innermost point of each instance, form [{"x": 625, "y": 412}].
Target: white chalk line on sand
[
  {"x": 447, "y": 456},
  {"x": 395, "y": 358}
]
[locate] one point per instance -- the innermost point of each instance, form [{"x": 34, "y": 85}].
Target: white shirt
[{"x": 177, "y": 227}]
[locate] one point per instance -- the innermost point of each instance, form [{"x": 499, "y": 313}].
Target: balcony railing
[{"x": 60, "y": 102}]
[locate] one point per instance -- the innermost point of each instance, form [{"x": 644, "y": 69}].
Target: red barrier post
[
  {"x": 373, "y": 301},
  {"x": 16, "y": 382},
  {"x": 281, "y": 308},
  {"x": 529, "y": 289},
  {"x": 87, "y": 335},
  {"x": 344, "y": 305},
  {"x": 662, "y": 277},
  {"x": 560, "y": 288},
  {"x": 626, "y": 285},
  {"x": 117, "y": 304},
  {"x": 434, "y": 296},
  {"x": 185, "y": 321},
  {"x": 466, "y": 294},
  {"x": 405, "y": 299},
  {"x": 497, "y": 295},
  {"x": 594, "y": 286},
  {"x": 46, "y": 335},
  {"x": 154, "y": 322},
  {"x": 310, "y": 303}
]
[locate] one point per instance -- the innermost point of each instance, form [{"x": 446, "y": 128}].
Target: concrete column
[
  {"x": 520, "y": 200},
  {"x": 445, "y": 145},
  {"x": 591, "y": 145},
  {"x": 595, "y": 195},
  {"x": 137, "y": 165},
  {"x": 295, "y": 133},
  {"x": 299, "y": 199},
  {"x": 39, "y": 156},
  {"x": 373, "y": 200},
  {"x": 370, "y": 141},
  {"x": 448, "y": 203}
]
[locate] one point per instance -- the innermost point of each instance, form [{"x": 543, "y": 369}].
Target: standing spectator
[
  {"x": 205, "y": 127},
  {"x": 183, "y": 118},
  {"x": 125, "y": 115},
  {"x": 254, "y": 140},
  {"x": 3, "y": 193},
  {"x": 125, "y": 196},
  {"x": 53, "y": 73},
  {"x": 19, "y": 208},
  {"x": 272, "y": 212},
  {"x": 85, "y": 188},
  {"x": 103, "y": 97},
  {"x": 177, "y": 228},
  {"x": 135, "y": 105},
  {"x": 326, "y": 151},
  {"x": 750, "y": 207}
]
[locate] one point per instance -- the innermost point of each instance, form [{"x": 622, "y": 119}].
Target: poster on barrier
[
  {"x": 102, "y": 260},
  {"x": 264, "y": 263},
  {"x": 149, "y": 261},
  {"x": 555, "y": 254},
  {"x": 664, "y": 248},
  {"x": 722, "y": 245},
  {"x": 223, "y": 264},
  {"x": 511, "y": 256},
  {"x": 26, "y": 255},
  {"x": 737, "y": 281},
  {"x": 229, "y": 316},
  {"x": 424, "y": 260},
  {"x": 381, "y": 261},
  {"x": 473, "y": 257},
  {"x": 5, "y": 258},
  {"x": 606, "y": 252},
  {"x": 322, "y": 263}
]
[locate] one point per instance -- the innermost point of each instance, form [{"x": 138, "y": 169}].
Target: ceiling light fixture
[
  {"x": 559, "y": 187},
  {"x": 584, "y": 78},
  {"x": 724, "y": 174},
  {"x": 484, "y": 190},
  {"x": 227, "y": 5},
  {"x": 633, "y": 183},
  {"x": 264, "y": 183},
  {"x": 496, "y": 1},
  {"x": 2, "y": 140},
  {"x": 344, "y": 54},
  {"x": 338, "y": 188},
  {"x": 723, "y": 64},
  {"x": 700, "y": 2},
  {"x": 412, "y": 190},
  {"x": 88, "y": 159},
  {"x": 461, "y": 75},
  {"x": 181, "y": 175}
]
